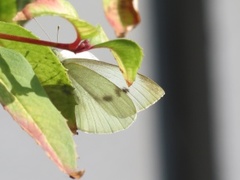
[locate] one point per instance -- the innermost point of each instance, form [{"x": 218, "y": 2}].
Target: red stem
[{"x": 76, "y": 46}]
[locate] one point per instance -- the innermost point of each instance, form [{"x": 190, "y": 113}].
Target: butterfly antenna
[
  {"x": 58, "y": 29},
  {"x": 42, "y": 29}
]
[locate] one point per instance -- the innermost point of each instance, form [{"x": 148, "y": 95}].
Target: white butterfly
[{"x": 105, "y": 103}]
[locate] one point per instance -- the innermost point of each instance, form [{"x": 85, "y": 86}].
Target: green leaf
[
  {"x": 22, "y": 3},
  {"x": 128, "y": 55},
  {"x": 8, "y": 10},
  {"x": 22, "y": 95},
  {"x": 48, "y": 69}
]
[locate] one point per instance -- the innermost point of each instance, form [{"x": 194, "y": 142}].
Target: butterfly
[{"x": 105, "y": 104}]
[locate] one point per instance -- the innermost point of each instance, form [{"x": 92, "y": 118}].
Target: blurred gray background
[{"x": 192, "y": 50}]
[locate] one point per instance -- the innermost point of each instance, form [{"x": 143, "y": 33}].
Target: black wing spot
[
  {"x": 107, "y": 98},
  {"x": 125, "y": 90},
  {"x": 119, "y": 91}
]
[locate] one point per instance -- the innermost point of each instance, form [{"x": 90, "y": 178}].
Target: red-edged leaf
[
  {"x": 48, "y": 5},
  {"x": 122, "y": 15},
  {"x": 25, "y": 99}
]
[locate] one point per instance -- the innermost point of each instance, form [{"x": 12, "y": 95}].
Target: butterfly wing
[
  {"x": 102, "y": 106},
  {"x": 144, "y": 92}
]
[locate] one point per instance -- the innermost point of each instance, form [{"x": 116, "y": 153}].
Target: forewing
[{"x": 144, "y": 92}]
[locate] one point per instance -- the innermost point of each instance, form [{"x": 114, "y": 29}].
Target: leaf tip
[
  {"x": 77, "y": 175},
  {"x": 129, "y": 83},
  {"x": 20, "y": 16}
]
